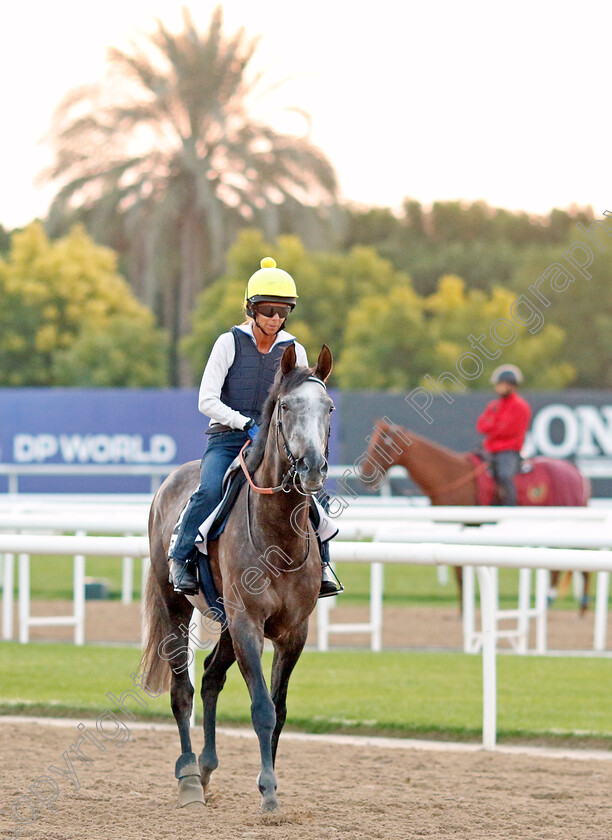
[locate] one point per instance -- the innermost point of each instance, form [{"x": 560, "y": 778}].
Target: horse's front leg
[
  {"x": 248, "y": 641},
  {"x": 215, "y": 670},
  {"x": 585, "y": 599},
  {"x": 286, "y": 654}
]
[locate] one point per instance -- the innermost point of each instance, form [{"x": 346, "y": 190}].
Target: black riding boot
[
  {"x": 183, "y": 574},
  {"x": 330, "y": 585}
]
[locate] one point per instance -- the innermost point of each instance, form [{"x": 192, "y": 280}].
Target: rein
[
  {"x": 460, "y": 482},
  {"x": 265, "y": 490}
]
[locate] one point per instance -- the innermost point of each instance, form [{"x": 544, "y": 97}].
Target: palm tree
[{"x": 164, "y": 162}]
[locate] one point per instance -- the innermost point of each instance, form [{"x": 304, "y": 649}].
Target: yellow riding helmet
[{"x": 271, "y": 284}]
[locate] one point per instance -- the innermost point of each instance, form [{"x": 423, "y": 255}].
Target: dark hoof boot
[
  {"x": 330, "y": 585},
  {"x": 184, "y": 576}
]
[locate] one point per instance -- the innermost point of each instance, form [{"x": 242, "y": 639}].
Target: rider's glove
[{"x": 251, "y": 428}]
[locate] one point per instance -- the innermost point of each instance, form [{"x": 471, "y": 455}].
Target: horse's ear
[
  {"x": 288, "y": 361},
  {"x": 324, "y": 363}
]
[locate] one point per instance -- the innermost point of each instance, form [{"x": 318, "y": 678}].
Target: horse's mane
[{"x": 283, "y": 383}]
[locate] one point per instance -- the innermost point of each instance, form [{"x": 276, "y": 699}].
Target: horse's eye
[
  {"x": 332, "y": 408},
  {"x": 283, "y": 406}
]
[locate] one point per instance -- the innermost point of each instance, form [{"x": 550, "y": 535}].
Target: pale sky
[{"x": 434, "y": 100}]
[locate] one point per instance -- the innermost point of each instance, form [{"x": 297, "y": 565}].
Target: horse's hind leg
[
  {"x": 215, "y": 670},
  {"x": 181, "y": 699},
  {"x": 248, "y": 641},
  {"x": 286, "y": 654}
]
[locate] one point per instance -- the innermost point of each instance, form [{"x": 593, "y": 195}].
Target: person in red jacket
[{"x": 504, "y": 423}]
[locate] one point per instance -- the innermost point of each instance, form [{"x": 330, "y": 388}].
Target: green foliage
[
  {"x": 392, "y": 343},
  {"x": 583, "y": 310},
  {"x": 5, "y": 241},
  {"x": 483, "y": 245},
  {"x": 455, "y": 314},
  {"x": 68, "y": 318},
  {"x": 387, "y": 343},
  {"x": 382, "y": 333}
]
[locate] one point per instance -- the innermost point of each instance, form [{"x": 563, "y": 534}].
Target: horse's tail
[{"x": 157, "y": 626}]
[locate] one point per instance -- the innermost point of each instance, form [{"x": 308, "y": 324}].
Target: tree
[
  {"x": 454, "y": 314},
  {"x": 165, "y": 162},
  {"x": 582, "y": 309},
  {"x": 393, "y": 343},
  {"x": 5, "y": 240},
  {"x": 387, "y": 343},
  {"x": 485, "y": 246},
  {"x": 68, "y": 318}
]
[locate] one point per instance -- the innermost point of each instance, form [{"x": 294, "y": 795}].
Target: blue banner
[{"x": 90, "y": 427}]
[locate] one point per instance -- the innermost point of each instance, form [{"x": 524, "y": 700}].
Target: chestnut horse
[
  {"x": 451, "y": 478},
  {"x": 266, "y": 565}
]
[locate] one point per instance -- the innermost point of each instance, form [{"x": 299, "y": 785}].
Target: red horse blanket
[{"x": 544, "y": 481}]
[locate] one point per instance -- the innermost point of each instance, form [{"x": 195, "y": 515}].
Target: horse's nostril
[{"x": 312, "y": 466}]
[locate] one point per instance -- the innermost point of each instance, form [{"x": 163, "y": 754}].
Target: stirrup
[
  {"x": 183, "y": 575},
  {"x": 329, "y": 587}
]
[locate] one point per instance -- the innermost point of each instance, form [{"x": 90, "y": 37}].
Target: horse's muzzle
[{"x": 312, "y": 472}]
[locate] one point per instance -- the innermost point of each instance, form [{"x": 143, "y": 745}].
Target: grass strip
[{"x": 434, "y": 695}]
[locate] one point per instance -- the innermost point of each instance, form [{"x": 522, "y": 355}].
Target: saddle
[
  {"x": 232, "y": 483},
  {"x": 481, "y": 454}
]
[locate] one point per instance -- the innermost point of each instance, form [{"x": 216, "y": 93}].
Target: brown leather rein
[
  {"x": 461, "y": 482},
  {"x": 265, "y": 490}
]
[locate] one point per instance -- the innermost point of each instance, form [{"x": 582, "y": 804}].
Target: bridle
[{"x": 289, "y": 479}]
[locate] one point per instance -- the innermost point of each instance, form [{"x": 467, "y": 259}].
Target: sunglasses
[{"x": 270, "y": 310}]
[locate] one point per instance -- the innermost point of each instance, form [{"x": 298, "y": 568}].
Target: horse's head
[{"x": 302, "y": 414}]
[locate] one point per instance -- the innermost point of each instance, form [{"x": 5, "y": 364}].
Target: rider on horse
[
  {"x": 504, "y": 422},
  {"x": 238, "y": 375}
]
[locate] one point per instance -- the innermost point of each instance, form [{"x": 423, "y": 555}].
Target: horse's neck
[
  {"x": 281, "y": 516},
  {"x": 431, "y": 465}
]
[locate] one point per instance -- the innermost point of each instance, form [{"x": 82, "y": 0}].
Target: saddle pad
[
  {"x": 541, "y": 482},
  {"x": 216, "y": 610},
  {"x": 208, "y": 589}
]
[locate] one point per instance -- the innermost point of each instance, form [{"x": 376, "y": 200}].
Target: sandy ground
[
  {"x": 325, "y": 790},
  {"x": 406, "y": 628}
]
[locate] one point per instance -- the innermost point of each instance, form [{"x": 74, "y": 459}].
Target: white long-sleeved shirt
[{"x": 219, "y": 362}]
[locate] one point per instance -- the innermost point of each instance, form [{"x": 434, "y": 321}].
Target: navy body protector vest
[{"x": 251, "y": 375}]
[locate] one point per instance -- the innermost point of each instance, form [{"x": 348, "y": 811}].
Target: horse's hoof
[
  {"x": 190, "y": 791},
  {"x": 205, "y": 778},
  {"x": 269, "y": 804},
  {"x": 193, "y": 806},
  {"x": 266, "y": 782}
]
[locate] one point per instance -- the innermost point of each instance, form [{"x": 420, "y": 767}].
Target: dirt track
[
  {"x": 415, "y": 627},
  {"x": 325, "y": 791}
]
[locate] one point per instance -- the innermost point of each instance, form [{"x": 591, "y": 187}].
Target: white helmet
[{"x": 507, "y": 373}]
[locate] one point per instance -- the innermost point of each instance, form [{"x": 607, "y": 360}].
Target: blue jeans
[
  {"x": 506, "y": 465},
  {"x": 221, "y": 450}
]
